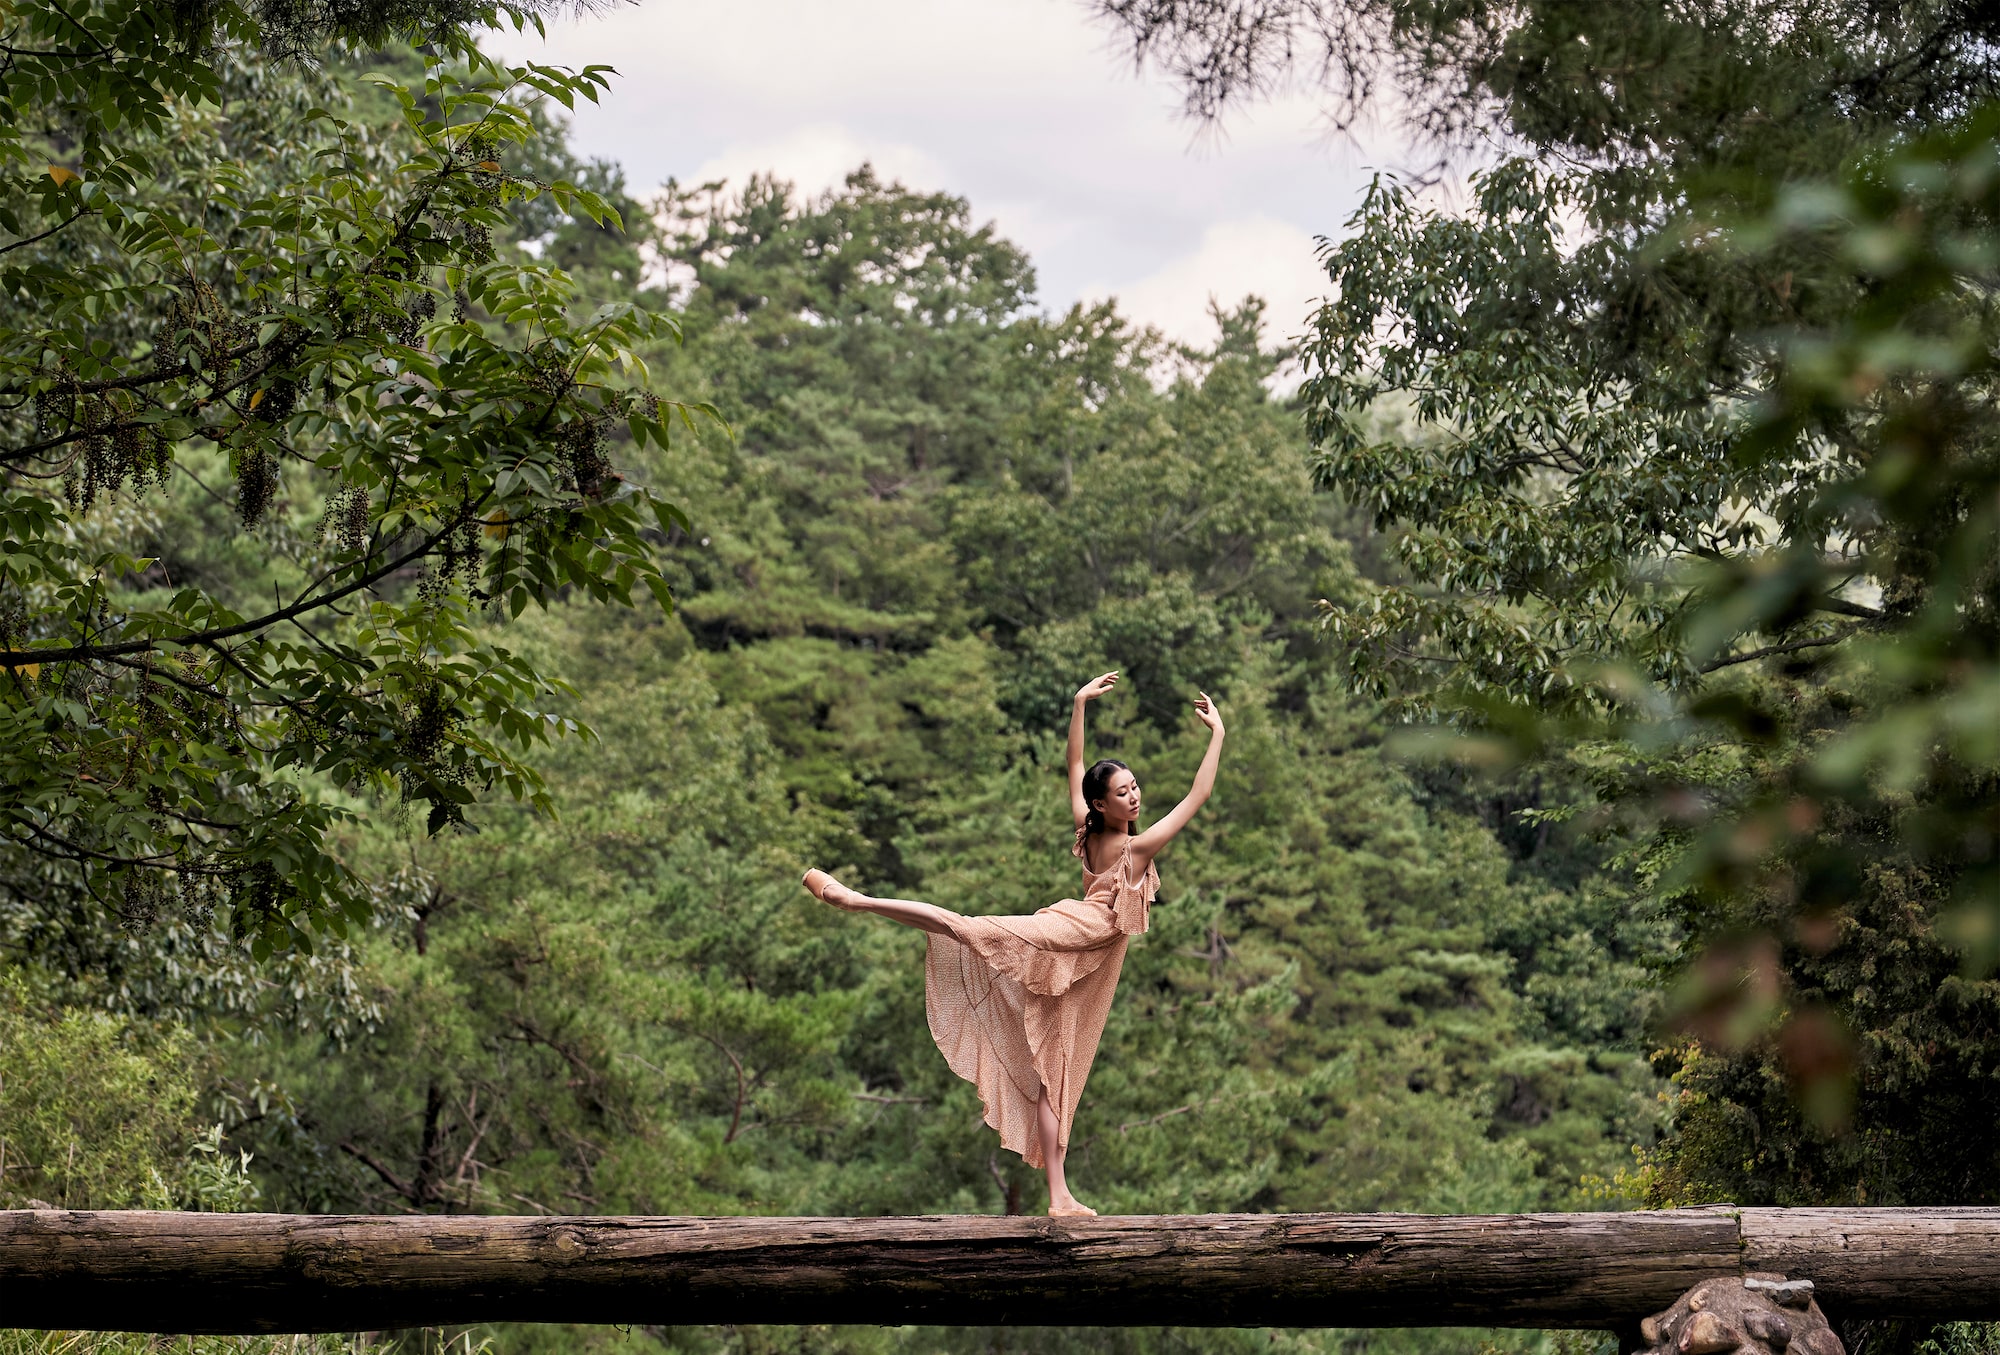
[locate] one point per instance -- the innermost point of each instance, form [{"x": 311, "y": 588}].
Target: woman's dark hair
[{"x": 1096, "y": 782}]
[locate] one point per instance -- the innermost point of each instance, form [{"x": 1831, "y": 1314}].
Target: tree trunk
[{"x": 166, "y": 1272}]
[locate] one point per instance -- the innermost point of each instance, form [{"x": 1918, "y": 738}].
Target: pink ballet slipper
[{"x": 818, "y": 882}]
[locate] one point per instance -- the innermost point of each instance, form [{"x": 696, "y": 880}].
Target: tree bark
[{"x": 240, "y": 1273}]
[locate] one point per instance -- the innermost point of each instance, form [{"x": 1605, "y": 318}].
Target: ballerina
[{"x": 1017, "y": 1004}]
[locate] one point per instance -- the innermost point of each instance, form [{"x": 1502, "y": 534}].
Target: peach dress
[{"x": 1018, "y": 1003}]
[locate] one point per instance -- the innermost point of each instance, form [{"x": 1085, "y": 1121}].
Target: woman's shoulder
[
  {"x": 1114, "y": 858},
  {"x": 1094, "y": 846}
]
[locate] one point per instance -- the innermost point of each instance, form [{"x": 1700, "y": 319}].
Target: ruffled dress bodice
[{"x": 1129, "y": 899}]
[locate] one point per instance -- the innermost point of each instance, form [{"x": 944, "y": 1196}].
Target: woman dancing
[{"x": 1017, "y": 1004}]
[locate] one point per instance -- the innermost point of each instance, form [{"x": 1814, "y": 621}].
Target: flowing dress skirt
[{"x": 1017, "y": 1004}]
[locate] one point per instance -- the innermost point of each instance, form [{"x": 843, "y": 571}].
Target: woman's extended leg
[
  {"x": 1061, "y": 1202},
  {"x": 924, "y": 916}
]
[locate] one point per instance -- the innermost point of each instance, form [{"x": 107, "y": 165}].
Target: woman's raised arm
[
  {"x": 1088, "y": 692},
  {"x": 1154, "y": 840}
]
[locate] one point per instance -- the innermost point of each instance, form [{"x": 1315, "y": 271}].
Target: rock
[
  {"x": 1707, "y": 1334},
  {"x": 1742, "y": 1315},
  {"x": 1770, "y": 1328},
  {"x": 1788, "y": 1293}
]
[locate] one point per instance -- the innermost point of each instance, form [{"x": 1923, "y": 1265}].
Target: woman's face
[{"x": 1120, "y": 804}]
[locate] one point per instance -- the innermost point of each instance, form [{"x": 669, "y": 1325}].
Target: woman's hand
[
  {"x": 1097, "y": 686},
  {"x": 1206, "y": 712}
]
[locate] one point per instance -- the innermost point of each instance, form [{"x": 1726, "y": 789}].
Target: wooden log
[
  {"x": 1884, "y": 1262},
  {"x": 242, "y": 1273}
]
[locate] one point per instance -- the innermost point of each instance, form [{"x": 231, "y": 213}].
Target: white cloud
[
  {"x": 816, "y": 158},
  {"x": 1027, "y": 108},
  {"x": 1253, "y": 256}
]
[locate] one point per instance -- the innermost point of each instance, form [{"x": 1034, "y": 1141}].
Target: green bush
[{"x": 98, "y": 1112}]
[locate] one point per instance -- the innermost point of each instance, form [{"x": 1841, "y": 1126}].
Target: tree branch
[
  {"x": 368, "y": 1160},
  {"x": 78, "y": 215},
  {"x": 1790, "y": 647},
  {"x": 10, "y": 658},
  {"x": 1842, "y": 607}
]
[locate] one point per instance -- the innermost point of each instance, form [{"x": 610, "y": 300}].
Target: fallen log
[{"x": 246, "y": 1273}]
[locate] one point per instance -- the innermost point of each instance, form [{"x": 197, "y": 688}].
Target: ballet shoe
[{"x": 816, "y": 882}]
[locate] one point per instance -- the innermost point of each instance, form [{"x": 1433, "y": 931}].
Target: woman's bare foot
[
  {"x": 1069, "y": 1207},
  {"x": 830, "y": 891}
]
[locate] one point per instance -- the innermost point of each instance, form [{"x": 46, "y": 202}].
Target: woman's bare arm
[
  {"x": 1154, "y": 840},
  {"x": 1085, "y": 694}
]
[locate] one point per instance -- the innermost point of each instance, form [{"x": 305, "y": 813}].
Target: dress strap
[{"x": 1132, "y": 900}]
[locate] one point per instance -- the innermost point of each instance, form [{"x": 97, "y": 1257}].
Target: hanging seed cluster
[
  {"x": 458, "y": 562},
  {"x": 274, "y": 403},
  {"x": 345, "y": 519},
  {"x": 111, "y": 448},
  {"x": 275, "y": 400},
  {"x": 188, "y": 888},
  {"x": 13, "y": 617},
  {"x": 419, "y": 313},
  {"x": 588, "y": 469},
  {"x": 472, "y": 240},
  {"x": 256, "y": 482},
  {"x": 203, "y": 332},
  {"x": 156, "y": 703},
  {"x": 199, "y": 896},
  {"x": 462, "y": 554},
  {"x": 166, "y": 707},
  {"x": 145, "y": 891},
  {"x": 548, "y": 370},
  {"x": 556, "y": 529},
  {"x": 428, "y": 720},
  {"x": 256, "y": 894},
  {"x": 481, "y": 148}
]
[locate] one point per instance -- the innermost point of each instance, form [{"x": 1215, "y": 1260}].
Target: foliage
[
  {"x": 1366, "y": 986},
  {"x": 97, "y": 1112},
  {"x": 1678, "y": 436},
  {"x": 1603, "y": 550},
  {"x": 174, "y": 742},
  {"x": 1544, "y": 500},
  {"x": 1353, "y": 995},
  {"x": 1651, "y": 93},
  {"x": 1870, "y": 783}
]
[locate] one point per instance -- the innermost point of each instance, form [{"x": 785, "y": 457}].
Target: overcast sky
[{"x": 1025, "y": 107}]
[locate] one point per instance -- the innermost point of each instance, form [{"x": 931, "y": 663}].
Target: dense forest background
[
  {"x": 1659, "y": 496},
  {"x": 936, "y": 509}
]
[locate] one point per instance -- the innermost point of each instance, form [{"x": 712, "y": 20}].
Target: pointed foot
[{"x": 829, "y": 890}]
